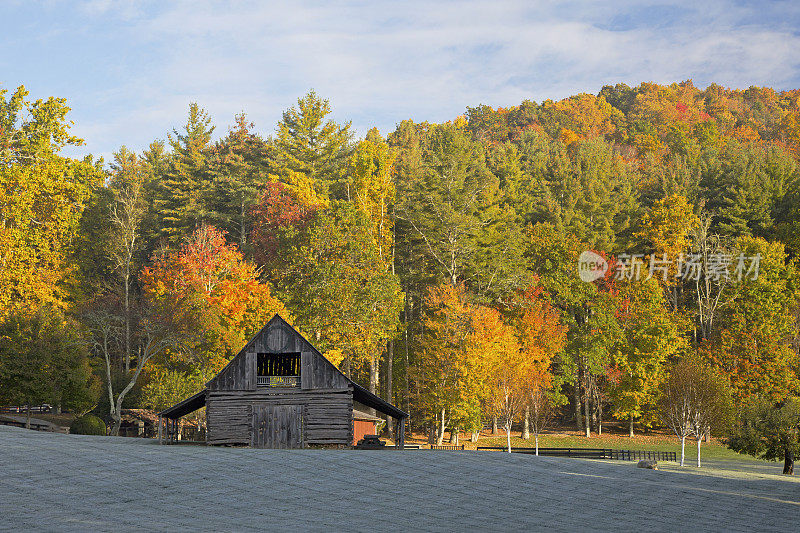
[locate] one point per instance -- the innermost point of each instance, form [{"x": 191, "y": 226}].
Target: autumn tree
[
  {"x": 753, "y": 345},
  {"x": 696, "y": 399},
  {"x": 42, "y": 197},
  {"x": 223, "y": 289},
  {"x": 667, "y": 227},
  {"x": 128, "y": 186},
  {"x": 373, "y": 191},
  {"x": 506, "y": 365},
  {"x": 541, "y": 337},
  {"x": 768, "y": 430},
  {"x": 458, "y": 352},
  {"x": 650, "y": 338},
  {"x": 217, "y": 303},
  {"x": 333, "y": 280},
  {"x": 277, "y": 217},
  {"x": 677, "y": 394}
]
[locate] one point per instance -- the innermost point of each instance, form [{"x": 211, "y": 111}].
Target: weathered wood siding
[
  {"x": 316, "y": 372},
  {"x": 277, "y": 426},
  {"x": 327, "y": 415},
  {"x": 239, "y": 374}
]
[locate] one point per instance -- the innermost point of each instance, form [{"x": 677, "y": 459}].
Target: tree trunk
[
  {"x": 242, "y": 224},
  {"x": 630, "y": 426},
  {"x": 508, "y": 436},
  {"x": 474, "y": 437},
  {"x": 699, "y": 440},
  {"x": 117, "y": 423},
  {"x": 389, "y": 371},
  {"x": 683, "y": 449},
  {"x": 537, "y": 443},
  {"x": 454, "y": 435},
  {"x": 526, "y": 424},
  {"x": 373, "y": 374},
  {"x": 373, "y": 378},
  {"x": 406, "y": 390},
  {"x": 28, "y": 416},
  {"x": 788, "y": 462},
  {"x": 599, "y": 417},
  {"x": 494, "y": 425},
  {"x": 127, "y": 318},
  {"x": 587, "y": 427},
  {"x": 707, "y": 435},
  {"x": 577, "y": 398},
  {"x": 440, "y": 432},
  {"x": 586, "y": 413}
]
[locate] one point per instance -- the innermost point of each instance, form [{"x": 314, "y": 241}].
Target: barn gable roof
[
  {"x": 184, "y": 407},
  {"x": 235, "y": 374}
]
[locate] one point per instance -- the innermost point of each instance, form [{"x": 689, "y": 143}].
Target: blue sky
[{"x": 130, "y": 69}]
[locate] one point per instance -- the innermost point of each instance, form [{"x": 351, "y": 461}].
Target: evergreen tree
[
  {"x": 312, "y": 147},
  {"x": 180, "y": 192},
  {"x": 239, "y": 168},
  {"x": 452, "y": 204}
]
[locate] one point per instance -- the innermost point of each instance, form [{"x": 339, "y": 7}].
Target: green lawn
[{"x": 708, "y": 451}]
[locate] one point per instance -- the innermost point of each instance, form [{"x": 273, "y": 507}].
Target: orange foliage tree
[
  {"x": 218, "y": 289},
  {"x": 541, "y": 336}
]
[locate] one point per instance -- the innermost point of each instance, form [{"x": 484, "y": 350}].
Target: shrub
[{"x": 87, "y": 425}]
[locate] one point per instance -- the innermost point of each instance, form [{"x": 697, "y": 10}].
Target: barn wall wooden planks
[{"x": 326, "y": 416}]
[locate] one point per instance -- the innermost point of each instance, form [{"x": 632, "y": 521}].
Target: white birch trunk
[
  {"x": 683, "y": 449},
  {"x": 699, "y": 440}
]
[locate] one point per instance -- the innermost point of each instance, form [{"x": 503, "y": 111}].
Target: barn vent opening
[{"x": 278, "y": 369}]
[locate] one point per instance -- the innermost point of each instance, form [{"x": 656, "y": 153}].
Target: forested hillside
[{"x": 438, "y": 265}]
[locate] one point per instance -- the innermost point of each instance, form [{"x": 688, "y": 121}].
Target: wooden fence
[
  {"x": 44, "y": 408},
  {"x": 593, "y": 453}
]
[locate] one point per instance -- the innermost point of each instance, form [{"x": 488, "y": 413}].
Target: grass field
[
  {"x": 613, "y": 438},
  {"x": 713, "y": 450}
]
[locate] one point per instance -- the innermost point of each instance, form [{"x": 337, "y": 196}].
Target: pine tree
[
  {"x": 313, "y": 147},
  {"x": 180, "y": 193},
  {"x": 239, "y": 168}
]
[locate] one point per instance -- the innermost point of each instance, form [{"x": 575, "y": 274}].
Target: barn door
[{"x": 277, "y": 426}]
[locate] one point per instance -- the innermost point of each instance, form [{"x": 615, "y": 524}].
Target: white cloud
[{"x": 380, "y": 63}]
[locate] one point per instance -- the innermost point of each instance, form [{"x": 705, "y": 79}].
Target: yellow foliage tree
[
  {"x": 504, "y": 363},
  {"x": 452, "y": 369},
  {"x": 371, "y": 175},
  {"x": 42, "y": 196}
]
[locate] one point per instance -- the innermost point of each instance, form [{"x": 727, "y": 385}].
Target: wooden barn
[{"x": 280, "y": 392}]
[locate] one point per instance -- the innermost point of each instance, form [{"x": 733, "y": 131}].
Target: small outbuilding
[{"x": 280, "y": 392}]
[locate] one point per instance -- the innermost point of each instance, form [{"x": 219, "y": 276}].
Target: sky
[{"x": 130, "y": 69}]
